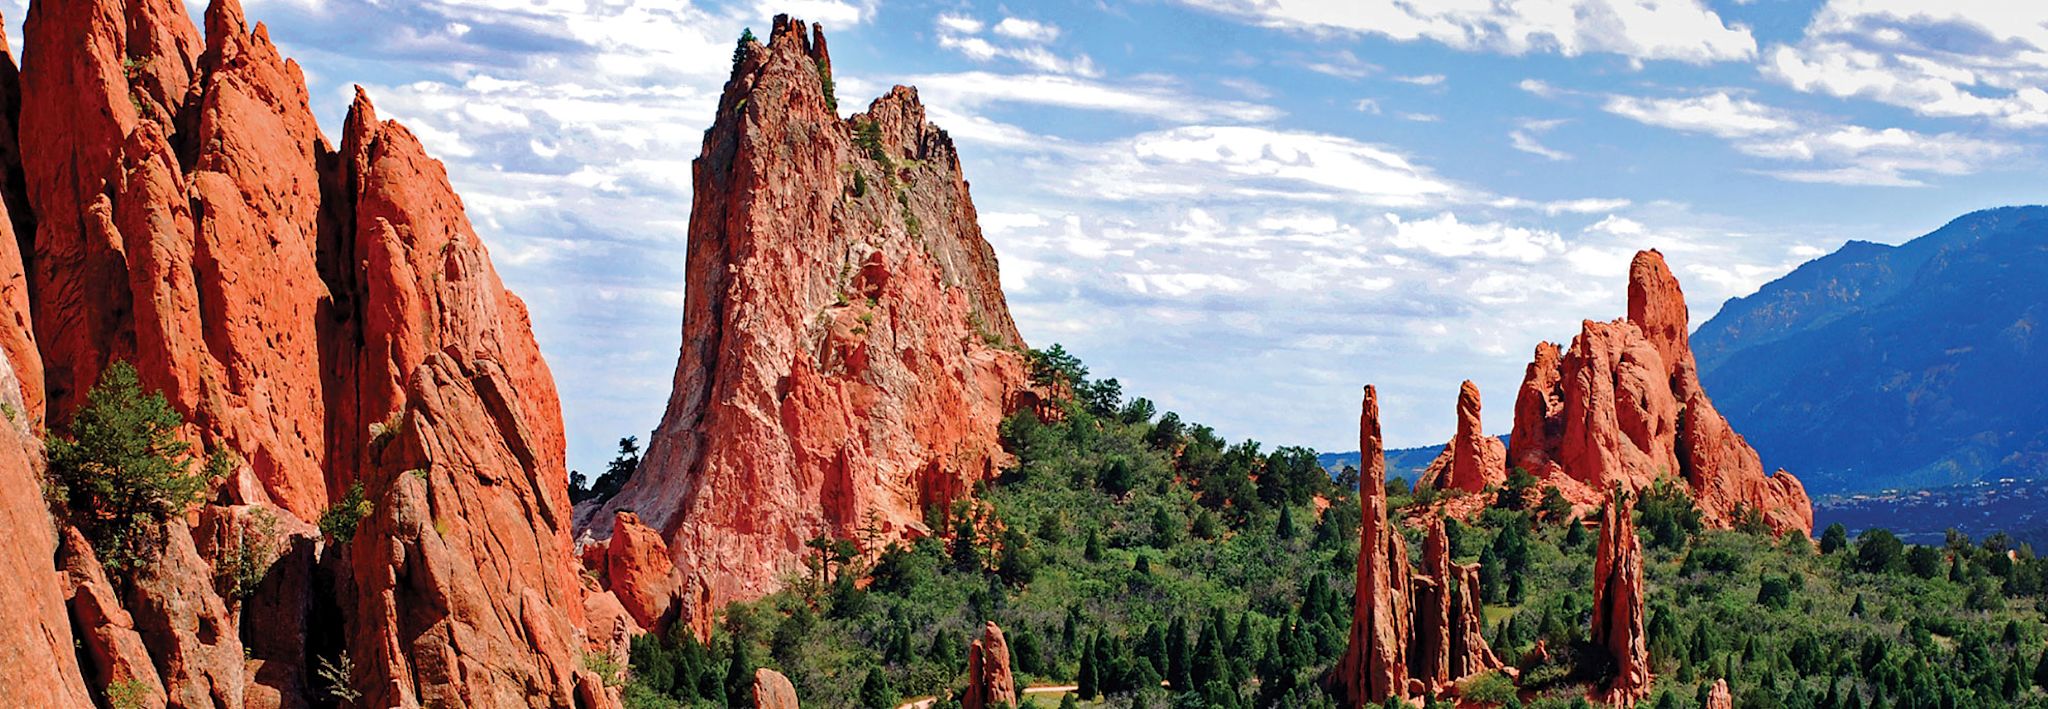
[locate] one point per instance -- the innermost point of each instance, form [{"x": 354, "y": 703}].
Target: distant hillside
[
  {"x": 1878, "y": 366},
  {"x": 1401, "y": 463}
]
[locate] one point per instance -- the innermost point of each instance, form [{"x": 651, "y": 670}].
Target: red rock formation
[
  {"x": 1375, "y": 664},
  {"x": 637, "y": 568},
  {"x": 1429, "y": 649},
  {"x": 989, "y": 682},
  {"x": 1470, "y": 654},
  {"x": 1719, "y": 698},
  {"x": 1618, "y": 614},
  {"x": 773, "y": 691},
  {"x": 1472, "y": 460},
  {"x": 40, "y": 664},
  {"x": 326, "y": 316},
  {"x": 1624, "y": 406},
  {"x": 1447, "y": 643},
  {"x": 847, "y": 354}
]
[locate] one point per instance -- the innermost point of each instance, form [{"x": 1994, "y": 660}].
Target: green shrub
[
  {"x": 340, "y": 520},
  {"x": 122, "y": 471}
]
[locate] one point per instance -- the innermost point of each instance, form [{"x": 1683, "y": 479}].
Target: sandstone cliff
[
  {"x": 325, "y": 316},
  {"x": 847, "y": 354},
  {"x": 1624, "y": 406}
]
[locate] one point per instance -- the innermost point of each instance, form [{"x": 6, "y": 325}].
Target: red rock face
[
  {"x": 328, "y": 317},
  {"x": 1624, "y": 406},
  {"x": 773, "y": 691},
  {"x": 1618, "y": 615},
  {"x": 1429, "y": 651},
  {"x": 40, "y": 664},
  {"x": 989, "y": 682},
  {"x": 1470, "y": 654},
  {"x": 1472, "y": 460},
  {"x": 1375, "y": 663},
  {"x": 847, "y": 354},
  {"x": 1718, "y": 697},
  {"x": 638, "y": 570}
]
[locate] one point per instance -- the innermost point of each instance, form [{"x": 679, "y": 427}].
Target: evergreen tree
[
  {"x": 1285, "y": 530},
  {"x": 1177, "y": 665},
  {"x": 739, "y": 676},
  {"x": 875, "y": 691},
  {"x": 1089, "y": 679}
]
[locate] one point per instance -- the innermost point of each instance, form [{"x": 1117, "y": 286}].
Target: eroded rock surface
[{"x": 847, "y": 353}]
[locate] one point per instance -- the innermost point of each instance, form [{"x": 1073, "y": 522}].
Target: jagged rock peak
[{"x": 847, "y": 351}]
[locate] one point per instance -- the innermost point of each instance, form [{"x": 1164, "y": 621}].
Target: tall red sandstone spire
[
  {"x": 1375, "y": 664},
  {"x": 1624, "y": 406},
  {"x": 847, "y": 353},
  {"x": 989, "y": 681},
  {"x": 1618, "y": 615},
  {"x": 1472, "y": 460}
]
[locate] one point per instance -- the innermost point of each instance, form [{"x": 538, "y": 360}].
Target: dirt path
[{"x": 926, "y": 702}]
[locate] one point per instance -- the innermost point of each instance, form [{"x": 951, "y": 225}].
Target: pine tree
[
  {"x": 739, "y": 676},
  {"x": 1177, "y": 671},
  {"x": 875, "y": 691},
  {"x": 1089, "y": 679}
]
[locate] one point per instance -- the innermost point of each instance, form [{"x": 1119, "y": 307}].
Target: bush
[
  {"x": 1879, "y": 551},
  {"x": 123, "y": 470},
  {"x": 339, "y": 521}
]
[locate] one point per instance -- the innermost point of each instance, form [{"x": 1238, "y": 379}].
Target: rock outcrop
[
  {"x": 847, "y": 353},
  {"x": 40, "y": 663},
  {"x": 1429, "y": 647},
  {"x": 1719, "y": 697},
  {"x": 773, "y": 691},
  {"x": 989, "y": 681},
  {"x": 636, "y": 567},
  {"x": 1624, "y": 406},
  {"x": 1472, "y": 461},
  {"x": 1618, "y": 615},
  {"x": 326, "y": 317},
  {"x": 1375, "y": 663},
  {"x": 1470, "y": 653}
]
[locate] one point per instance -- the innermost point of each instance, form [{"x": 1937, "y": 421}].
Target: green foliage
[
  {"x": 127, "y": 694},
  {"x": 122, "y": 470},
  {"x": 339, "y": 520},
  {"x": 744, "y": 48},
  {"x": 1834, "y": 538},
  {"x": 1666, "y": 515},
  {"x": 867, "y": 134},
  {"x": 607, "y": 669},
  {"x": 825, "y": 83},
  {"x": 1879, "y": 551},
  {"x": 242, "y": 565},
  {"x": 334, "y": 676},
  {"x": 616, "y": 473}
]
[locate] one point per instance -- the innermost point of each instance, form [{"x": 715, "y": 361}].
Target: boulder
[{"x": 773, "y": 691}]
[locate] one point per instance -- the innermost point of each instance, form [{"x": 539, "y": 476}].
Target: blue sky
[{"x": 1243, "y": 210}]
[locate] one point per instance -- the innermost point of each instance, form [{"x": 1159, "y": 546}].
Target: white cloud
[
  {"x": 1027, "y": 45},
  {"x": 1421, "y": 80},
  {"x": 1715, "y": 113},
  {"x": 1261, "y": 163},
  {"x": 1683, "y": 30},
  {"x": 1963, "y": 58},
  {"x": 1524, "y": 139},
  {"x": 957, "y": 23},
  {"x": 1829, "y": 152},
  {"x": 967, "y": 90},
  {"x": 1027, "y": 30},
  {"x": 1445, "y": 235}
]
